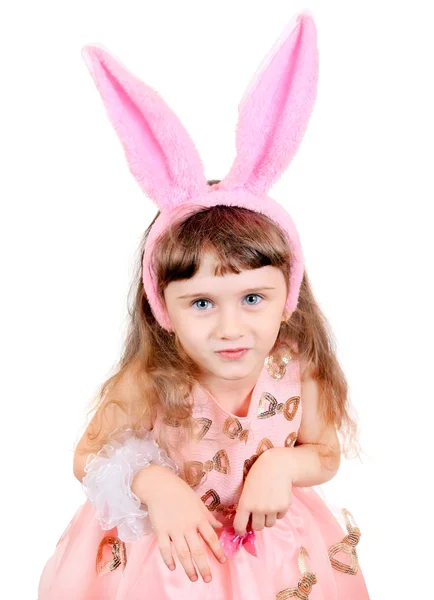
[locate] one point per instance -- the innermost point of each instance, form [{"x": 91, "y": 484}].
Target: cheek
[
  {"x": 269, "y": 329},
  {"x": 188, "y": 331}
]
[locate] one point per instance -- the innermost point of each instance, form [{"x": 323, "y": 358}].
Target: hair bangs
[{"x": 240, "y": 239}]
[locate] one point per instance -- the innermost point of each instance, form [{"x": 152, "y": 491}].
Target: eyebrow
[{"x": 204, "y": 295}]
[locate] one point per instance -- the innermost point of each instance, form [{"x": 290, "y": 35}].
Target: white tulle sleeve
[{"x": 108, "y": 479}]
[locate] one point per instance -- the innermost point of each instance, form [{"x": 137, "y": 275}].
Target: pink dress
[{"x": 311, "y": 553}]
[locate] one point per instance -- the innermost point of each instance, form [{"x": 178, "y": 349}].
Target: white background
[{"x": 360, "y": 191}]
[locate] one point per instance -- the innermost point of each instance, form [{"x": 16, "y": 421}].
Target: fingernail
[
  {"x": 172, "y": 567},
  {"x": 223, "y": 559},
  {"x": 207, "y": 578},
  {"x": 193, "y": 577}
]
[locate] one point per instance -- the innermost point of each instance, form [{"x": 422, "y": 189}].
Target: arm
[
  {"x": 164, "y": 505},
  {"x": 266, "y": 495},
  {"x": 126, "y": 391},
  {"x": 316, "y": 458}
]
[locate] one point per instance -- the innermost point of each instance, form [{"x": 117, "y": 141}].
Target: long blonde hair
[{"x": 241, "y": 239}]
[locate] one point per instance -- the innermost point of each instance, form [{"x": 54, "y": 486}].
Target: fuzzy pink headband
[{"x": 273, "y": 116}]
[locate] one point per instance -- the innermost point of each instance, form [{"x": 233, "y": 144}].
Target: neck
[{"x": 232, "y": 394}]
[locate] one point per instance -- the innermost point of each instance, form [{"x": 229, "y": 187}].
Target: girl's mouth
[{"x": 233, "y": 354}]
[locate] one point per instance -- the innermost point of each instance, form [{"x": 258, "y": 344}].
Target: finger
[
  {"x": 270, "y": 520},
  {"x": 211, "y": 538},
  {"x": 197, "y": 551},
  {"x": 165, "y": 547},
  {"x": 183, "y": 552},
  {"x": 241, "y": 520},
  {"x": 258, "y": 521},
  {"x": 213, "y": 521}
]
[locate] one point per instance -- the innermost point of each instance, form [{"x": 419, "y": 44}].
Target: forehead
[{"x": 206, "y": 279}]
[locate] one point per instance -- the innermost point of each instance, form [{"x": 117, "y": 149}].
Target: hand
[
  {"x": 267, "y": 492},
  {"x": 178, "y": 514}
]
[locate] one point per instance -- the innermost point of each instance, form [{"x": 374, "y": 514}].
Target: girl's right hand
[{"x": 178, "y": 514}]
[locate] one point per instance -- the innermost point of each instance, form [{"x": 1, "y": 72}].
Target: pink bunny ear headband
[{"x": 273, "y": 116}]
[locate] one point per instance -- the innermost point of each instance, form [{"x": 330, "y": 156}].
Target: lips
[
  {"x": 232, "y": 350},
  {"x": 232, "y": 354}
]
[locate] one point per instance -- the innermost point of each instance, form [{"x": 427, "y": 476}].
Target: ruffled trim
[{"x": 108, "y": 479}]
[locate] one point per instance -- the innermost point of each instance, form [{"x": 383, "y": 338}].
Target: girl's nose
[{"x": 229, "y": 325}]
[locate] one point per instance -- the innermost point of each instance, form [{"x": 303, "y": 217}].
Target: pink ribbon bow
[{"x": 232, "y": 542}]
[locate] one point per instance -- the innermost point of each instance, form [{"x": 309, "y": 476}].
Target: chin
[
  {"x": 235, "y": 370},
  {"x": 230, "y": 370}
]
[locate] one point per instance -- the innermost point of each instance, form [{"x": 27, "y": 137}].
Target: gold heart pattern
[
  {"x": 202, "y": 427},
  {"x": 275, "y": 367},
  {"x": 233, "y": 429},
  {"x": 264, "y": 444},
  {"x": 290, "y": 439},
  {"x": 348, "y": 546},
  {"x": 119, "y": 555},
  {"x": 216, "y": 505},
  {"x": 268, "y": 406},
  {"x": 195, "y": 471},
  {"x": 305, "y": 584}
]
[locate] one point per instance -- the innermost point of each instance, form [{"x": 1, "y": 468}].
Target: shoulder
[
  {"x": 127, "y": 387},
  {"x": 306, "y": 369},
  {"x": 128, "y": 392},
  {"x": 310, "y": 387},
  {"x": 314, "y": 427},
  {"x": 118, "y": 409}
]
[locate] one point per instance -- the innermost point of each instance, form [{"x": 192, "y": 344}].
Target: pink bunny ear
[
  {"x": 159, "y": 151},
  {"x": 276, "y": 107}
]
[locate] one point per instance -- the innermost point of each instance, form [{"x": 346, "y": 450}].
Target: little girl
[{"x": 199, "y": 462}]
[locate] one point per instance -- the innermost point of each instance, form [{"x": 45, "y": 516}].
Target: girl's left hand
[{"x": 267, "y": 492}]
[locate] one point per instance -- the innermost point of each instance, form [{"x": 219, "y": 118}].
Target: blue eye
[
  {"x": 252, "y": 296},
  {"x": 200, "y": 300},
  {"x": 251, "y": 299}
]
